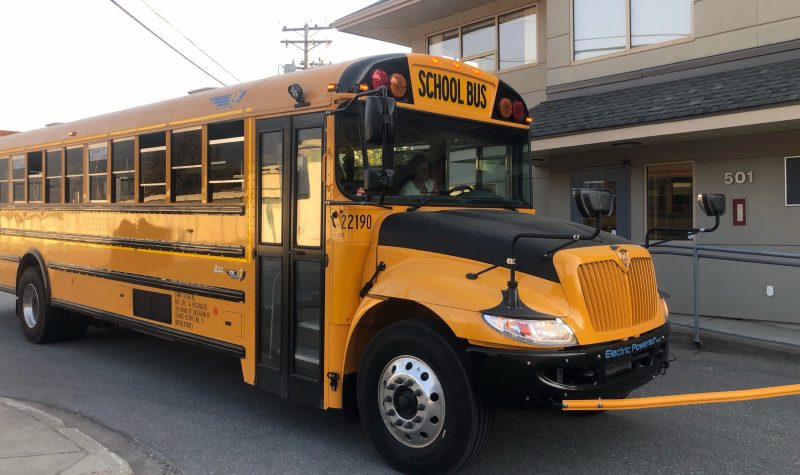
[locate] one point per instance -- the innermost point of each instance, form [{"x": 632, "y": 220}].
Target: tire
[
  {"x": 444, "y": 420},
  {"x": 40, "y": 322}
]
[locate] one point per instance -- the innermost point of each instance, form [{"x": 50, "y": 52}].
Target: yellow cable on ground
[{"x": 679, "y": 399}]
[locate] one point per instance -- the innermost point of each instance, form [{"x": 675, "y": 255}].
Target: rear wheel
[
  {"x": 40, "y": 322},
  {"x": 418, "y": 401}
]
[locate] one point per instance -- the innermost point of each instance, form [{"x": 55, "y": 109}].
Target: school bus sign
[{"x": 452, "y": 87}]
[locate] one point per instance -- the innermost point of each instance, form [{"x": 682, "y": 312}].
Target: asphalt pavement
[{"x": 167, "y": 408}]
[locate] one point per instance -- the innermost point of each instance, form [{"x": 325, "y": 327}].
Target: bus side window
[
  {"x": 74, "y": 175},
  {"x": 4, "y": 180},
  {"x": 35, "y": 177},
  {"x": 226, "y": 162},
  {"x": 153, "y": 167},
  {"x": 18, "y": 177},
  {"x": 53, "y": 176},
  {"x": 98, "y": 172},
  {"x": 122, "y": 190},
  {"x": 187, "y": 165}
]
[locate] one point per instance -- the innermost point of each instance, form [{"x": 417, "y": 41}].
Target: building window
[
  {"x": 670, "y": 198},
  {"x": 495, "y": 43},
  {"x": 53, "y": 172},
  {"x": 608, "y": 26},
  {"x": 122, "y": 152},
  {"x": 74, "y": 175},
  {"x": 187, "y": 165},
  {"x": 792, "y": 165},
  {"x": 226, "y": 162},
  {"x": 4, "y": 180},
  {"x": 153, "y": 167},
  {"x": 98, "y": 172}
]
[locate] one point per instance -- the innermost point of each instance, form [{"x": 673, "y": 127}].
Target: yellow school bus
[{"x": 361, "y": 236}]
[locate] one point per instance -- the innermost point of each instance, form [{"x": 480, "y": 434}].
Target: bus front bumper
[{"x": 539, "y": 378}]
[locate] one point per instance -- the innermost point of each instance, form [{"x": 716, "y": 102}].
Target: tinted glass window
[
  {"x": 226, "y": 161},
  {"x": 122, "y": 153},
  {"x": 74, "y": 161},
  {"x": 187, "y": 168},
  {"x": 18, "y": 167},
  {"x": 54, "y": 163},
  {"x": 308, "y": 186},
  {"x": 153, "y": 168}
]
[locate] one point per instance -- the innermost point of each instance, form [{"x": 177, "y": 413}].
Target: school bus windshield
[{"x": 458, "y": 161}]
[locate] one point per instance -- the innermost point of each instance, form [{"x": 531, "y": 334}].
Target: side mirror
[
  {"x": 374, "y": 119},
  {"x": 593, "y": 201},
  {"x": 375, "y": 180},
  {"x": 712, "y": 204}
]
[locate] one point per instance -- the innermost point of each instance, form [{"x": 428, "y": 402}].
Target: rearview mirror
[
  {"x": 593, "y": 201},
  {"x": 712, "y": 204},
  {"x": 375, "y": 180},
  {"x": 374, "y": 119}
]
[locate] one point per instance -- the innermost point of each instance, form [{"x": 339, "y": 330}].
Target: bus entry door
[{"x": 289, "y": 207}]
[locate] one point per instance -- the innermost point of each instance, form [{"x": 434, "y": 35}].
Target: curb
[
  {"x": 97, "y": 459},
  {"x": 712, "y": 340}
]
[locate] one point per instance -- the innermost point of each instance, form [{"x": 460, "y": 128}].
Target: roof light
[
  {"x": 455, "y": 64},
  {"x": 504, "y": 107},
  {"x": 379, "y": 78},
  {"x": 397, "y": 85},
  {"x": 476, "y": 71},
  {"x": 435, "y": 59},
  {"x": 296, "y": 92}
]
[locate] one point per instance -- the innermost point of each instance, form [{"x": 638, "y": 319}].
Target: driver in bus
[{"x": 421, "y": 183}]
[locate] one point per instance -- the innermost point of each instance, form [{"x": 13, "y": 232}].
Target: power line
[
  {"x": 190, "y": 41},
  {"x": 166, "y": 42}
]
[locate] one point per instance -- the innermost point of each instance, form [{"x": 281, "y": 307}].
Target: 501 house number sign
[{"x": 740, "y": 177}]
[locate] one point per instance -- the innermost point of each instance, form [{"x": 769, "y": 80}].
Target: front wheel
[
  {"x": 418, "y": 401},
  {"x": 40, "y": 322}
]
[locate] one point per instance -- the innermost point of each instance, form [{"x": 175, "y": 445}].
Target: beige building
[{"x": 656, "y": 99}]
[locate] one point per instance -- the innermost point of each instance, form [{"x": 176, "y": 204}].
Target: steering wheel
[{"x": 460, "y": 188}]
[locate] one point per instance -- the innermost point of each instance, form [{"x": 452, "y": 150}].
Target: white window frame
[
  {"x": 496, "y": 49},
  {"x": 628, "y": 49}
]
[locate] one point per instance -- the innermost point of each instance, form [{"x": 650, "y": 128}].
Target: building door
[
  {"x": 615, "y": 179},
  {"x": 289, "y": 207}
]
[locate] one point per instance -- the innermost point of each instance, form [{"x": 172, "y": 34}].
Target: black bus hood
[{"x": 485, "y": 235}]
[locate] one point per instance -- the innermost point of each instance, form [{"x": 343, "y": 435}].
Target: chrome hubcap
[
  {"x": 411, "y": 401},
  {"x": 30, "y": 305}
]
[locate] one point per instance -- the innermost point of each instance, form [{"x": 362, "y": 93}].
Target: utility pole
[{"x": 307, "y": 44}]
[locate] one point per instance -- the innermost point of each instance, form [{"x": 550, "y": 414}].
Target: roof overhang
[
  {"x": 771, "y": 119},
  {"x": 392, "y": 20}
]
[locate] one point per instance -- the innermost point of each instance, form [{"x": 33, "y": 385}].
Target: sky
[{"x": 63, "y": 60}]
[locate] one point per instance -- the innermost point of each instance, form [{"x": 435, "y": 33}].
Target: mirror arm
[
  {"x": 384, "y": 144},
  {"x": 512, "y": 294},
  {"x": 549, "y": 254},
  {"x": 688, "y": 233}
]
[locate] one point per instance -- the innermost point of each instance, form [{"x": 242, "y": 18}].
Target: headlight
[{"x": 541, "y": 332}]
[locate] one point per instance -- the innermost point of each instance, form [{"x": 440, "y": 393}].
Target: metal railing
[{"x": 698, "y": 252}]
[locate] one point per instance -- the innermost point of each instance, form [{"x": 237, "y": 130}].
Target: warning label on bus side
[{"x": 188, "y": 311}]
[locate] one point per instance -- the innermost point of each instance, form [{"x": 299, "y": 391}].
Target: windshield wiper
[
  {"x": 421, "y": 203},
  {"x": 505, "y": 203}
]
